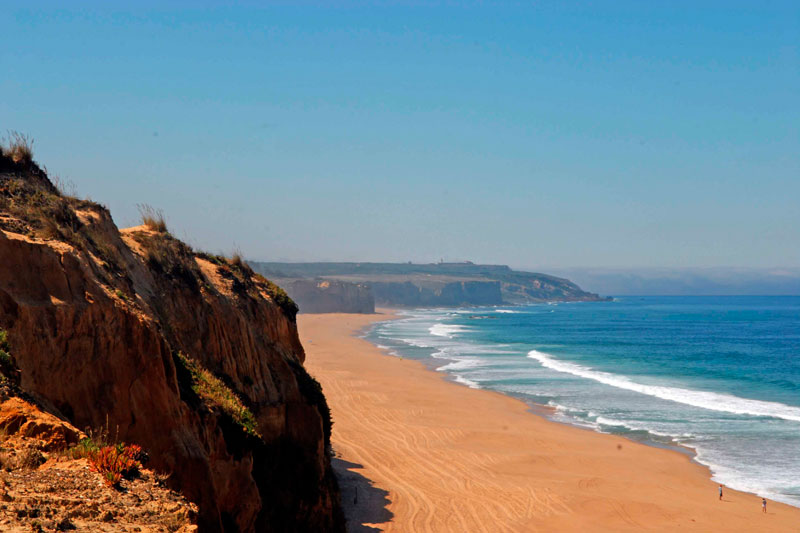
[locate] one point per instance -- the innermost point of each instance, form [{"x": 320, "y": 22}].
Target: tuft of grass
[
  {"x": 19, "y": 147},
  {"x": 213, "y": 391},
  {"x": 83, "y": 448},
  {"x": 213, "y": 258},
  {"x": 31, "y": 459},
  {"x": 153, "y": 218},
  {"x": 237, "y": 262},
  {"x": 66, "y": 188}
]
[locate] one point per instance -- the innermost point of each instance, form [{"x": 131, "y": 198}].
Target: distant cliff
[
  {"x": 437, "y": 284},
  {"x": 192, "y": 356},
  {"x": 443, "y": 293},
  {"x": 329, "y": 296}
]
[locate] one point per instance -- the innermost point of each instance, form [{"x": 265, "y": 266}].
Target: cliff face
[
  {"x": 115, "y": 327},
  {"x": 437, "y": 294},
  {"x": 330, "y": 296}
]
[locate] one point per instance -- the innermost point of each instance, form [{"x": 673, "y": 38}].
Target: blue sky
[{"x": 569, "y": 134}]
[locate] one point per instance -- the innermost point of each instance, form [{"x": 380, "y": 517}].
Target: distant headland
[{"x": 358, "y": 287}]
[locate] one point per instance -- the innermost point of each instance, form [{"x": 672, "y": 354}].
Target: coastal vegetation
[
  {"x": 216, "y": 395},
  {"x": 153, "y": 218},
  {"x": 9, "y": 373},
  {"x": 171, "y": 257},
  {"x": 278, "y": 295},
  {"x": 18, "y": 147},
  {"x": 113, "y": 461},
  {"x": 116, "y": 462},
  {"x": 5, "y": 355}
]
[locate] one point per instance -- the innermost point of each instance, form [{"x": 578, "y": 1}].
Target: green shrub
[
  {"x": 214, "y": 392},
  {"x": 8, "y": 370},
  {"x": 83, "y": 448},
  {"x": 5, "y": 349}
]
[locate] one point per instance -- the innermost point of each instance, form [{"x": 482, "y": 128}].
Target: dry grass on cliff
[
  {"x": 244, "y": 279},
  {"x": 153, "y": 218},
  {"x": 18, "y": 147},
  {"x": 213, "y": 391},
  {"x": 167, "y": 255},
  {"x": 37, "y": 209}
]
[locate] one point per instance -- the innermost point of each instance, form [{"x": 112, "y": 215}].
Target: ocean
[{"x": 719, "y": 375}]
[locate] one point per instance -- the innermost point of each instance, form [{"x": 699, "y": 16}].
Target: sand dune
[{"x": 421, "y": 454}]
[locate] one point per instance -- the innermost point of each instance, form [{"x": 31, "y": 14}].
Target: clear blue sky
[{"x": 551, "y": 135}]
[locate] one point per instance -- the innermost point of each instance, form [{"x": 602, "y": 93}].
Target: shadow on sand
[{"x": 363, "y": 502}]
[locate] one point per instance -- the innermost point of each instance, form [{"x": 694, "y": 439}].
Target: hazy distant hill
[
  {"x": 688, "y": 281},
  {"x": 434, "y": 284}
]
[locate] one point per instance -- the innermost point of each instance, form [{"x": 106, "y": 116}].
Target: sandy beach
[{"x": 420, "y": 453}]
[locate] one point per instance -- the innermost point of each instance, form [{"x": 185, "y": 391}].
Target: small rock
[{"x": 65, "y": 525}]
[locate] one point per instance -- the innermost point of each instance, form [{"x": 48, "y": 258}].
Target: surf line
[{"x": 713, "y": 401}]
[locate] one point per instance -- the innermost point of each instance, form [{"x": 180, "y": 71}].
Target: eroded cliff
[
  {"x": 329, "y": 296},
  {"x": 193, "y": 356}
]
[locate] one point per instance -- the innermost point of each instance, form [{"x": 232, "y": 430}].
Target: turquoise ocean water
[{"x": 720, "y": 375}]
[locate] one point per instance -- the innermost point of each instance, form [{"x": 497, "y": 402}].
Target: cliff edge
[{"x": 192, "y": 356}]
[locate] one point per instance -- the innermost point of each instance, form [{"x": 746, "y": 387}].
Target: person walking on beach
[
  {"x": 764, "y": 505},
  {"x": 720, "y": 492}
]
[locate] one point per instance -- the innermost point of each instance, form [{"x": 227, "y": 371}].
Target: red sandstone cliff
[{"x": 110, "y": 325}]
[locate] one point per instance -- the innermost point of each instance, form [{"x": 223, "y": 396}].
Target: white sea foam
[
  {"x": 704, "y": 399},
  {"x": 468, "y": 382},
  {"x": 446, "y": 330},
  {"x": 415, "y": 342},
  {"x": 604, "y": 421},
  {"x": 772, "y": 486},
  {"x": 460, "y": 363},
  {"x": 506, "y": 311}
]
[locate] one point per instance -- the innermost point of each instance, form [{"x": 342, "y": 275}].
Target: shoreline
[
  {"x": 428, "y": 454},
  {"x": 537, "y": 409},
  {"x": 544, "y": 410}
]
